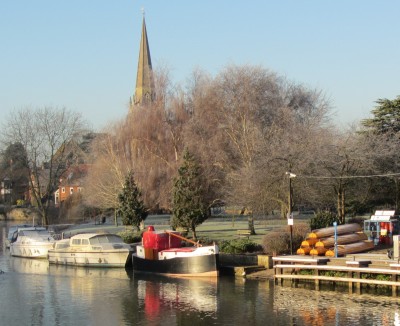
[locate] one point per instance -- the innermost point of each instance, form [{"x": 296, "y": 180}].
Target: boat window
[
  {"x": 114, "y": 238},
  {"x": 76, "y": 242},
  {"x": 103, "y": 239},
  {"x": 61, "y": 245},
  {"x": 106, "y": 238},
  {"x": 85, "y": 241},
  {"x": 14, "y": 237}
]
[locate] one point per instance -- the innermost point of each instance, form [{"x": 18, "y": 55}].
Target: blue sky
[{"x": 83, "y": 54}]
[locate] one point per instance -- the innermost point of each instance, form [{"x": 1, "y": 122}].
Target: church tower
[{"x": 144, "y": 92}]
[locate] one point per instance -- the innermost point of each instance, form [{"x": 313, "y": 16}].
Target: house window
[
  {"x": 79, "y": 189},
  {"x": 63, "y": 190},
  {"x": 71, "y": 191}
]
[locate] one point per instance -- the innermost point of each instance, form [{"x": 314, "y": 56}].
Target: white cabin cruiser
[
  {"x": 91, "y": 249},
  {"x": 31, "y": 242},
  {"x": 12, "y": 230}
]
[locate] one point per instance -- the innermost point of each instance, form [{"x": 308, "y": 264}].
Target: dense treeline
[{"x": 247, "y": 127}]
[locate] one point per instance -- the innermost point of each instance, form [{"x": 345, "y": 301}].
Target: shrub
[
  {"x": 323, "y": 219},
  {"x": 129, "y": 236},
  {"x": 358, "y": 220},
  {"x": 238, "y": 246},
  {"x": 300, "y": 232},
  {"x": 278, "y": 242}
]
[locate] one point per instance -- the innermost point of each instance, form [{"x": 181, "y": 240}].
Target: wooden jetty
[{"x": 357, "y": 271}]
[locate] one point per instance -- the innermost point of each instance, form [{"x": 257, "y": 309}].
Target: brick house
[{"x": 71, "y": 182}]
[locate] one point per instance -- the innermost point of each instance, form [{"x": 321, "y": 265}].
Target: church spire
[{"x": 144, "y": 92}]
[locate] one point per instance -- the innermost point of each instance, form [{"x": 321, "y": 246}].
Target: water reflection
[
  {"x": 42, "y": 266},
  {"x": 28, "y": 266},
  {"x": 187, "y": 294},
  {"x": 331, "y": 308},
  {"x": 36, "y": 293},
  {"x": 162, "y": 300}
]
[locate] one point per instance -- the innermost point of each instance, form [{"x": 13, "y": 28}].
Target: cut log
[
  {"x": 303, "y": 250},
  {"x": 330, "y": 231},
  {"x": 309, "y": 242},
  {"x": 320, "y": 251},
  {"x": 342, "y": 239},
  {"x": 351, "y": 248}
]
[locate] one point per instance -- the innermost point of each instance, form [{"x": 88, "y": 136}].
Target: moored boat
[
  {"x": 12, "y": 230},
  {"x": 31, "y": 242},
  {"x": 163, "y": 253},
  {"x": 91, "y": 249}
]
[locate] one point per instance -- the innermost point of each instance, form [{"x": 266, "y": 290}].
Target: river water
[{"x": 32, "y": 292}]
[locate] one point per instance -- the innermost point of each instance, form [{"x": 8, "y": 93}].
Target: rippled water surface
[{"x": 32, "y": 292}]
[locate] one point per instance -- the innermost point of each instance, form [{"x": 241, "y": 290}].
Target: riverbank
[{"x": 262, "y": 275}]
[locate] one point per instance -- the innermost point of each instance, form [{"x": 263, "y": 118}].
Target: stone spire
[{"x": 144, "y": 92}]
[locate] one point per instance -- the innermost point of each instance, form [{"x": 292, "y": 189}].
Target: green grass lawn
[
  {"x": 214, "y": 229},
  {"x": 225, "y": 228}
]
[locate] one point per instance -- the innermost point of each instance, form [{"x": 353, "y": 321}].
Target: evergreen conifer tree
[
  {"x": 131, "y": 207},
  {"x": 386, "y": 117},
  {"x": 189, "y": 206}
]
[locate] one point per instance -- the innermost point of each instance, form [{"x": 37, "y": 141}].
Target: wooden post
[
  {"x": 316, "y": 273},
  {"x": 350, "y": 276},
  {"x": 394, "y": 287},
  {"x": 295, "y": 279},
  {"x": 358, "y": 284}
]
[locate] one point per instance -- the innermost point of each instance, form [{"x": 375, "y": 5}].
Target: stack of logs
[{"x": 350, "y": 240}]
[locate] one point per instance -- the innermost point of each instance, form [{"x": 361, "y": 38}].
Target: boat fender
[{"x": 99, "y": 260}]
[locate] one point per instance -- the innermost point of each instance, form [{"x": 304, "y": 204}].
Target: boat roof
[
  {"x": 14, "y": 228},
  {"x": 90, "y": 235},
  {"x": 31, "y": 228}
]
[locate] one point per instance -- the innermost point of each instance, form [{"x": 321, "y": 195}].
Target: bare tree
[
  {"x": 250, "y": 127},
  {"x": 149, "y": 142},
  {"x": 107, "y": 174},
  {"x": 45, "y": 134}
]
